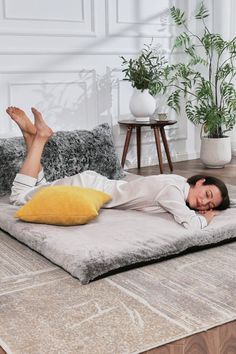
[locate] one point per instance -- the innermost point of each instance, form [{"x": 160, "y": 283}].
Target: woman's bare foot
[
  {"x": 21, "y": 119},
  {"x": 42, "y": 130}
]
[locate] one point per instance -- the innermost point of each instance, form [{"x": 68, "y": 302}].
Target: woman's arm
[
  {"x": 209, "y": 214},
  {"x": 172, "y": 200}
]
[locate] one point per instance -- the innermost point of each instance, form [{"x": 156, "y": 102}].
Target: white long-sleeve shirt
[
  {"x": 152, "y": 194},
  {"x": 158, "y": 194}
]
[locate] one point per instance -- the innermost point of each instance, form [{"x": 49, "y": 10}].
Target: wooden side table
[{"x": 158, "y": 127}]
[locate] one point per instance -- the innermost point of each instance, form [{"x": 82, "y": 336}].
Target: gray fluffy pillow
[{"x": 66, "y": 154}]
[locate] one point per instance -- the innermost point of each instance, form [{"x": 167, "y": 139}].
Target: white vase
[
  {"x": 142, "y": 103},
  {"x": 215, "y": 153}
]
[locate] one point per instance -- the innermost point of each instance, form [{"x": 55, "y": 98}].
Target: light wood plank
[
  {"x": 227, "y": 338},
  {"x": 190, "y": 168}
]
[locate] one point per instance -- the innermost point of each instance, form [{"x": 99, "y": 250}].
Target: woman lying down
[{"x": 193, "y": 202}]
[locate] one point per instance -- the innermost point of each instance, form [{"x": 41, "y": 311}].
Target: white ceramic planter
[
  {"x": 142, "y": 104},
  {"x": 215, "y": 153}
]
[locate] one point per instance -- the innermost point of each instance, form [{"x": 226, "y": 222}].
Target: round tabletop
[{"x": 150, "y": 123}]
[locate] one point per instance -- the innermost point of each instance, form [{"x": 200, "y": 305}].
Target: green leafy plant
[
  {"x": 206, "y": 79},
  {"x": 146, "y": 71}
]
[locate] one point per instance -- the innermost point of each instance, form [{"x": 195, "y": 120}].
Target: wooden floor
[
  {"x": 221, "y": 339},
  {"x": 218, "y": 340},
  {"x": 193, "y": 167}
]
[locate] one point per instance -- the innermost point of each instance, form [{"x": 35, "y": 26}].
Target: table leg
[
  {"x": 165, "y": 142},
  {"x": 138, "y": 137},
  {"x": 158, "y": 146},
  {"x": 126, "y": 146}
]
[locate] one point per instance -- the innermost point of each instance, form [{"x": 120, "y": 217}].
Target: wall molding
[
  {"x": 117, "y": 27},
  {"x": 43, "y": 52},
  {"x": 8, "y": 17},
  {"x": 22, "y": 26},
  {"x": 71, "y": 97}
]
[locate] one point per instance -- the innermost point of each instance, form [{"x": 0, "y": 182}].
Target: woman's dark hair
[{"x": 209, "y": 180}]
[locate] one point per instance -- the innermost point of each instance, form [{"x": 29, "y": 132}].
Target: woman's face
[{"x": 203, "y": 197}]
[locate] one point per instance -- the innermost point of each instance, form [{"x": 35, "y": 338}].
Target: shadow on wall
[
  {"x": 88, "y": 101},
  {"x": 78, "y": 104},
  {"x": 139, "y": 39}
]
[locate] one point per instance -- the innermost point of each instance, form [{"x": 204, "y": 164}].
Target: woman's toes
[
  {"x": 21, "y": 120},
  {"x": 34, "y": 110}
]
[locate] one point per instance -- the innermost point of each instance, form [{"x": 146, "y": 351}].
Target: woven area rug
[{"x": 45, "y": 310}]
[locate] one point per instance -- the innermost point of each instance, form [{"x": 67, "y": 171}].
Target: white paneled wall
[{"x": 63, "y": 57}]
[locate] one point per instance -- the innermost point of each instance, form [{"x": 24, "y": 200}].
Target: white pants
[{"x": 24, "y": 187}]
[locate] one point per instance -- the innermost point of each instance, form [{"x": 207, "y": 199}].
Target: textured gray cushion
[{"x": 66, "y": 154}]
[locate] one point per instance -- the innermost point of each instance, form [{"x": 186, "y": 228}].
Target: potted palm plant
[
  {"x": 145, "y": 73},
  {"x": 206, "y": 82}
]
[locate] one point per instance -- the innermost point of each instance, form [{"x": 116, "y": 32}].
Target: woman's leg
[
  {"x": 25, "y": 183},
  {"x": 27, "y": 128},
  {"x": 32, "y": 164}
]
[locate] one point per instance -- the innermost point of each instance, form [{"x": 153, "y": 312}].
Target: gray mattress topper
[{"x": 115, "y": 239}]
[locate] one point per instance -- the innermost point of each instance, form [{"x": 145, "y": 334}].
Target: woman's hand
[{"x": 209, "y": 214}]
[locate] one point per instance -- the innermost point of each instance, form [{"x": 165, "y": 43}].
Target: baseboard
[{"x": 150, "y": 161}]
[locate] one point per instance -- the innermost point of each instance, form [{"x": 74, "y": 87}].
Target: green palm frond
[
  {"x": 191, "y": 112},
  {"x": 174, "y": 100},
  {"x": 225, "y": 71},
  {"x": 204, "y": 91},
  {"x": 227, "y": 92},
  {"x": 201, "y": 12},
  {"x": 217, "y": 42},
  {"x": 206, "y": 42},
  {"x": 178, "y": 16},
  {"x": 181, "y": 41},
  {"x": 232, "y": 46}
]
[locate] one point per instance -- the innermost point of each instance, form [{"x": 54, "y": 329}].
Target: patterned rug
[{"x": 45, "y": 310}]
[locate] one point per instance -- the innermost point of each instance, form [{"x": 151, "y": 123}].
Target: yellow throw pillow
[{"x": 63, "y": 205}]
